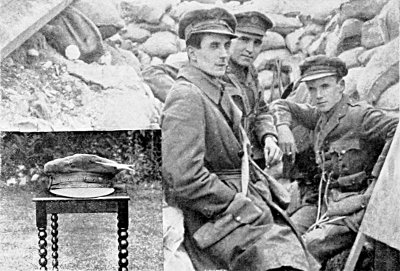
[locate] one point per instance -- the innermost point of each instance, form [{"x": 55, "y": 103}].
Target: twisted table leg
[
  {"x": 123, "y": 222},
  {"x": 42, "y": 248},
  {"x": 54, "y": 240}
]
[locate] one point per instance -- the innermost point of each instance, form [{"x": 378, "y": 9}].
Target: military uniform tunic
[
  {"x": 201, "y": 170},
  {"x": 243, "y": 86},
  {"x": 347, "y": 141}
]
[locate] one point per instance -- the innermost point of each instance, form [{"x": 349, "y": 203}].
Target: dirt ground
[{"x": 86, "y": 241}]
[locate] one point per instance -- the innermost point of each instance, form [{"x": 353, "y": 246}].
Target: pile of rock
[
  {"x": 362, "y": 33},
  {"x": 139, "y": 33}
]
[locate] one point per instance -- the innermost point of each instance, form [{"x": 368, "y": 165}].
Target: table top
[{"x": 119, "y": 194}]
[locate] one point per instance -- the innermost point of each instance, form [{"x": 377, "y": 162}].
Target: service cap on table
[{"x": 82, "y": 175}]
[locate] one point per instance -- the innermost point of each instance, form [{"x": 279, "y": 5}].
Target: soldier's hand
[
  {"x": 286, "y": 141},
  {"x": 272, "y": 152}
]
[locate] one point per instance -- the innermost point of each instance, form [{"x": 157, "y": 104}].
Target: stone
[
  {"x": 150, "y": 11},
  {"x": 284, "y": 25},
  {"x": 178, "y": 10},
  {"x": 318, "y": 46},
  {"x": 373, "y": 34},
  {"x": 265, "y": 78},
  {"x": 305, "y": 42},
  {"x": 317, "y": 11},
  {"x": 332, "y": 42},
  {"x": 104, "y": 15},
  {"x": 351, "y": 81},
  {"x": 389, "y": 18},
  {"x": 349, "y": 35},
  {"x": 121, "y": 57},
  {"x": 381, "y": 72},
  {"x": 272, "y": 40},
  {"x": 269, "y": 55},
  {"x": 313, "y": 29},
  {"x": 365, "y": 57},
  {"x": 161, "y": 44},
  {"x": 156, "y": 61},
  {"x": 350, "y": 57},
  {"x": 389, "y": 101},
  {"x": 134, "y": 33},
  {"x": 361, "y": 9},
  {"x": 293, "y": 40},
  {"x": 144, "y": 58},
  {"x": 177, "y": 60}
]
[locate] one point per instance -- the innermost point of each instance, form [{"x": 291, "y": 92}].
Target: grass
[{"x": 86, "y": 241}]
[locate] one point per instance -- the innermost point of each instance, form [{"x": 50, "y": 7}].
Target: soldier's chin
[{"x": 217, "y": 72}]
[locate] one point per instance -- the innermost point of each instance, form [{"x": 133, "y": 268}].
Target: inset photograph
[{"x": 81, "y": 201}]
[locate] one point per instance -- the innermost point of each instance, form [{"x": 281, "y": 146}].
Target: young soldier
[
  {"x": 347, "y": 138},
  {"x": 241, "y": 77},
  {"x": 225, "y": 226}
]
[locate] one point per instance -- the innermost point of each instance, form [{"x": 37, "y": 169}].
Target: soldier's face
[
  {"x": 245, "y": 48},
  {"x": 213, "y": 54},
  {"x": 326, "y": 92}
]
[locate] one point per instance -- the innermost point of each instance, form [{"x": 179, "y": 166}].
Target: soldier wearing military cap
[
  {"x": 202, "y": 160},
  {"x": 347, "y": 140},
  {"x": 242, "y": 79}
]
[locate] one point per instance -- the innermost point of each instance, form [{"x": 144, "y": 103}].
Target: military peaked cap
[
  {"x": 214, "y": 20},
  {"x": 253, "y": 22},
  {"x": 320, "y": 66}
]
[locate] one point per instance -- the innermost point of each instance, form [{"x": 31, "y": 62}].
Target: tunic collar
[{"x": 211, "y": 86}]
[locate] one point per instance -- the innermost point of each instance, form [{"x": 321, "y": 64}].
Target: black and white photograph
[{"x": 200, "y": 135}]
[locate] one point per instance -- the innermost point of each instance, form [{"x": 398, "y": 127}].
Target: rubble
[{"x": 356, "y": 31}]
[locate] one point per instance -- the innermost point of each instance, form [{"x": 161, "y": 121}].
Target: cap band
[
  {"x": 250, "y": 29},
  {"x": 212, "y": 26}
]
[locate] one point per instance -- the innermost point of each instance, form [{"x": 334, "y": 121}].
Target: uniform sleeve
[
  {"x": 376, "y": 125},
  {"x": 293, "y": 114},
  {"x": 183, "y": 149},
  {"x": 264, "y": 125}
]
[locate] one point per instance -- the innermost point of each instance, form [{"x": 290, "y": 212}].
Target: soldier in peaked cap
[
  {"x": 225, "y": 227},
  {"x": 347, "y": 140},
  {"x": 242, "y": 79}
]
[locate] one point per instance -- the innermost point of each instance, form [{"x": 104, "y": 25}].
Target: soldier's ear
[
  {"x": 342, "y": 84},
  {"x": 191, "y": 51}
]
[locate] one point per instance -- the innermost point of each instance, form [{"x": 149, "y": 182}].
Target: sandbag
[
  {"x": 350, "y": 57},
  {"x": 272, "y": 40},
  {"x": 269, "y": 55},
  {"x": 135, "y": 33},
  {"x": 161, "y": 44},
  {"x": 72, "y": 27},
  {"x": 381, "y": 72},
  {"x": 104, "y": 14}
]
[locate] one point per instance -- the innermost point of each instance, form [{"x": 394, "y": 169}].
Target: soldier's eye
[{"x": 257, "y": 42}]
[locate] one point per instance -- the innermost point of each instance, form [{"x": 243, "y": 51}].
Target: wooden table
[{"x": 47, "y": 203}]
